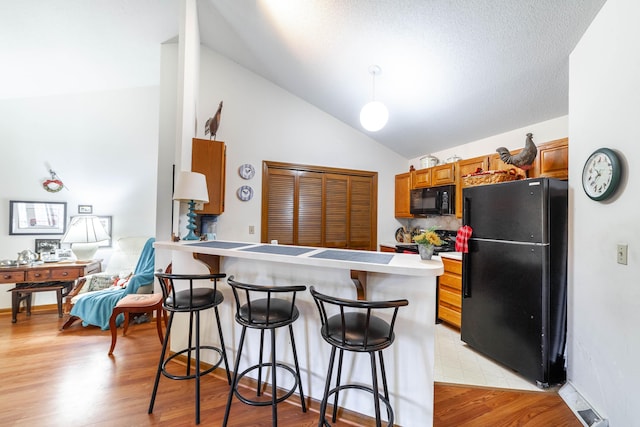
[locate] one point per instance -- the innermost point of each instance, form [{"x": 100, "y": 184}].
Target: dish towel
[{"x": 462, "y": 239}]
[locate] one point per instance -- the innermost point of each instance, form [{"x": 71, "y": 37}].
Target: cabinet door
[
  {"x": 209, "y": 158},
  {"x": 443, "y": 174},
  {"x": 402, "y": 195},
  {"x": 552, "y": 160},
  {"x": 421, "y": 178},
  {"x": 495, "y": 163}
]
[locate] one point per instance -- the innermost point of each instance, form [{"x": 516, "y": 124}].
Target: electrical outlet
[
  {"x": 252, "y": 229},
  {"x": 622, "y": 254}
]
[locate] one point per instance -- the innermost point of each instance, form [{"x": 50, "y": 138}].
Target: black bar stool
[
  {"x": 262, "y": 307},
  {"x": 192, "y": 300},
  {"x": 351, "y": 325}
]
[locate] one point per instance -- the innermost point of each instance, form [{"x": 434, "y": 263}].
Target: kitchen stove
[{"x": 447, "y": 236}]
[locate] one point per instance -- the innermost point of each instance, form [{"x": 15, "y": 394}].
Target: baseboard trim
[{"x": 580, "y": 407}]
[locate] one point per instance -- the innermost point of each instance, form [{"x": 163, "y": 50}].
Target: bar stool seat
[
  {"x": 268, "y": 313},
  {"x": 351, "y": 325},
  {"x": 192, "y": 300}
]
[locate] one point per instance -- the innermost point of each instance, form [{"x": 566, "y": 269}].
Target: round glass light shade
[{"x": 374, "y": 116}]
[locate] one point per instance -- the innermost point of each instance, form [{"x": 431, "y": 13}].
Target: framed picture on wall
[{"x": 37, "y": 217}]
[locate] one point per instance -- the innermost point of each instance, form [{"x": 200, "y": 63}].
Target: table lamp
[
  {"x": 84, "y": 234},
  {"x": 191, "y": 187}
]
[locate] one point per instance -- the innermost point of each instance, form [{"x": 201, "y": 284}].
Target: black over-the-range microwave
[{"x": 433, "y": 200}]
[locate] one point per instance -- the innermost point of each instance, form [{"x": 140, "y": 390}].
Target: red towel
[{"x": 462, "y": 239}]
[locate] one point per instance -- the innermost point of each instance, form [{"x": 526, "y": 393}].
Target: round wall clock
[
  {"x": 246, "y": 171},
  {"x": 245, "y": 193},
  {"x": 601, "y": 174}
]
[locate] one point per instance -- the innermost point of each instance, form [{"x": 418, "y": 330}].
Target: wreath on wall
[{"x": 54, "y": 184}]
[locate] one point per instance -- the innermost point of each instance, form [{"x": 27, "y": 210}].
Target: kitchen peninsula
[{"x": 376, "y": 276}]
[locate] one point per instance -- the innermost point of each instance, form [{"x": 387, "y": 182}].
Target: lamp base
[
  {"x": 84, "y": 251},
  {"x": 191, "y": 225}
]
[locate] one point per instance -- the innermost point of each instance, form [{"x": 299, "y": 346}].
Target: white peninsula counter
[{"x": 342, "y": 273}]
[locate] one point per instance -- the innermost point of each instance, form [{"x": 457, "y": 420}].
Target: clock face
[
  {"x": 245, "y": 193},
  {"x": 601, "y": 174},
  {"x": 247, "y": 171}
]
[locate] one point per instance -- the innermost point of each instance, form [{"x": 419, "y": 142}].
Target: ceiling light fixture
[{"x": 374, "y": 115}]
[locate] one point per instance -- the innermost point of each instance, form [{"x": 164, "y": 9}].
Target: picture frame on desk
[
  {"x": 47, "y": 246},
  {"x": 29, "y": 217}
]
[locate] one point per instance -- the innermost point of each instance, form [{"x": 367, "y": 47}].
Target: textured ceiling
[{"x": 453, "y": 71}]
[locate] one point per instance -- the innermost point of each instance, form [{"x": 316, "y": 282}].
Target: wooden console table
[{"x": 58, "y": 276}]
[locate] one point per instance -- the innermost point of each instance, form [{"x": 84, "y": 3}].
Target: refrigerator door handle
[
  {"x": 466, "y": 292},
  {"x": 466, "y": 210}
]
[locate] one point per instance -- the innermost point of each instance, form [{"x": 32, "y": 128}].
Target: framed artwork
[
  {"x": 85, "y": 209},
  {"x": 47, "y": 245},
  {"x": 37, "y": 217}
]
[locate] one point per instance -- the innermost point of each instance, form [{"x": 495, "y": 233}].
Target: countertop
[{"x": 378, "y": 262}]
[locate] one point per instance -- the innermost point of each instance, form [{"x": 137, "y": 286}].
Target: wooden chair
[{"x": 138, "y": 303}]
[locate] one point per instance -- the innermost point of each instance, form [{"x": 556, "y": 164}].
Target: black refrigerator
[{"x": 514, "y": 277}]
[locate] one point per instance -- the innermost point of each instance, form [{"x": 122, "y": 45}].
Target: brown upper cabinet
[
  {"x": 443, "y": 174},
  {"x": 209, "y": 158},
  {"x": 402, "y": 196},
  {"x": 552, "y": 160}
]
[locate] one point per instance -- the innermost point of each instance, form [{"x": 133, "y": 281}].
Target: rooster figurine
[
  {"x": 524, "y": 158},
  {"x": 211, "y": 126}
]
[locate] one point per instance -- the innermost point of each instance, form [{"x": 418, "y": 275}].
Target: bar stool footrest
[
  {"x": 266, "y": 402},
  {"x": 166, "y": 373},
  {"x": 363, "y": 388}
]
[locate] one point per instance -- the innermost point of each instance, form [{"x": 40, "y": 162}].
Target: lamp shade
[
  {"x": 85, "y": 229},
  {"x": 374, "y": 116},
  {"x": 191, "y": 186},
  {"x": 84, "y": 233}
]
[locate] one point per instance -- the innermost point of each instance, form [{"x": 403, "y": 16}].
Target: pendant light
[{"x": 374, "y": 115}]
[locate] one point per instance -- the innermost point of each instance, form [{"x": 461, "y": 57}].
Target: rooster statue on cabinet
[
  {"x": 212, "y": 124},
  {"x": 524, "y": 159}
]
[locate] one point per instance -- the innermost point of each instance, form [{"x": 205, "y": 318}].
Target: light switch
[
  {"x": 622, "y": 254},
  {"x": 252, "y": 229}
]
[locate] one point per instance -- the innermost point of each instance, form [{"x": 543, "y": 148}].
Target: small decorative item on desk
[{"x": 426, "y": 242}]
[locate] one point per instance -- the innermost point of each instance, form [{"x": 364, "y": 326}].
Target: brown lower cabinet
[{"x": 450, "y": 292}]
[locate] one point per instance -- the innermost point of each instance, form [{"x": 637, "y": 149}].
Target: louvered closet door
[
  {"x": 336, "y": 211},
  {"x": 309, "y": 218},
  {"x": 315, "y": 206},
  {"x": 280, "y": 207},
  {"x": 362, "y": 234}
]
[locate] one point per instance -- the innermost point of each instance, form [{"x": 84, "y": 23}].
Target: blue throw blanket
[{"x": 96, "y": 308}]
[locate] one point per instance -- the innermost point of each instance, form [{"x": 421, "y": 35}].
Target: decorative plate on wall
[
  {"x": 246, "y": 171},
  {"x": 245, "y": 193}
]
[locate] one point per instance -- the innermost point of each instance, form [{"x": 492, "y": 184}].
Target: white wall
[
  {"x": 103, "y": 145},
  {"x": 604, "y": 309},
  {"x": 261, "y": 121}
]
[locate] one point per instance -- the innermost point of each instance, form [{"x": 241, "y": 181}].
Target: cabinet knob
[
  {"x": 37, "y": 274},
  {"x": 65, "y": 273}
]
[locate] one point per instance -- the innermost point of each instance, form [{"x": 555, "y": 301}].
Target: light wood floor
[{"x": 54, "y": 378}]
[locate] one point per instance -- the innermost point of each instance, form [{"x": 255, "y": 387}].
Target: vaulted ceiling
[{"x": 453, "y": 71}]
